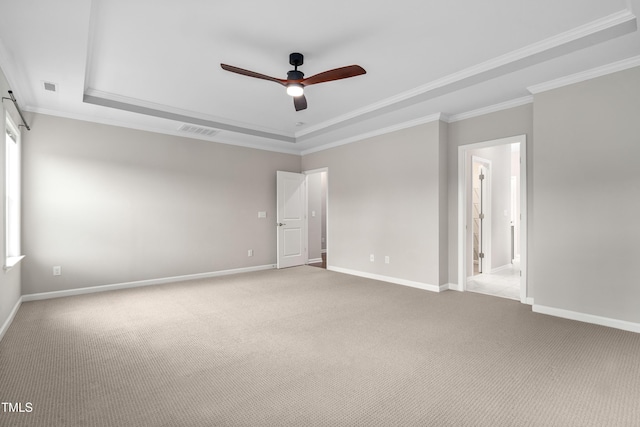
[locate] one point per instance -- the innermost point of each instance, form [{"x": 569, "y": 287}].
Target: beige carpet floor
[{"x": 310, "y": 347}]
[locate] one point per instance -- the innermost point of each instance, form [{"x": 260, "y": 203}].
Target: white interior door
[{"x": 290, "y": 219}]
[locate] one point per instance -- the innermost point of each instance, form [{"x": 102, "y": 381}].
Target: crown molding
[
  {"x": 614, "y": 67},
  {"x": 488, "y": 69},
  {"x": 105, "y": 99},
  {"x": 91, "y": 37},
  {"x": 377, "y": 132},
  {"x": 491, "y": 109}
]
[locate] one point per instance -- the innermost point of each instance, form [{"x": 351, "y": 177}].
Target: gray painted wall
[
  {"x": 384, "y": 199},
  {"x": 587, "y": 196},
  {"x": 113, "y": 205},
  {"x": 10, "y": 290},
  {"x": 443, "y": 205}
]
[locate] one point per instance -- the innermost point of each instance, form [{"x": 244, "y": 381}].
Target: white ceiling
[{"x": 155, "y": 64}]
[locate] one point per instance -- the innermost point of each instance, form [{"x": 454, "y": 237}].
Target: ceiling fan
[{"x": 296, "y": 82}]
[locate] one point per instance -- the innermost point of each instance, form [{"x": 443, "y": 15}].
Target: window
[{"x": 12, "y": 194}]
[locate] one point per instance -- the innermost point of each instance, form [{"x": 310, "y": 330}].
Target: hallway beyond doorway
[{"x": 322, "y": 264}]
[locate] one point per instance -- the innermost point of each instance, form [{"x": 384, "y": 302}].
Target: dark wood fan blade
[
  {"x": 300, "y": 102},
  {"x": 335, "y": 74},
  {"x": 251, "y": 74}
]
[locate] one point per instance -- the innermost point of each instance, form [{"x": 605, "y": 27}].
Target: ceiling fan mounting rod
[{"x": 296, "y": 59}]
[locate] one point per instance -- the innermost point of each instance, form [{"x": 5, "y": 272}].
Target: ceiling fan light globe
[{"x": 295, "y": 90}]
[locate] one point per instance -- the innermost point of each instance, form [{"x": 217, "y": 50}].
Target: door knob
[{"x": 281, "y": 224}]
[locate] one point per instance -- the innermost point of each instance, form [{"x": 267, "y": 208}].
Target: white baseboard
[
  {"x": 7, "y": 323},
  {"x": 529, "y": 301},
  {"x": 588, "y": 318},
  {"x": 140, "y": 283},
  {"x": 395, "y": 280},
  {"x": 314, "y": 260}
]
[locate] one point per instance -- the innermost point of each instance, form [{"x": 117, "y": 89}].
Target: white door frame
[
  {"x": 464, "y": 165},
  {"x": 311, "y": 172}
]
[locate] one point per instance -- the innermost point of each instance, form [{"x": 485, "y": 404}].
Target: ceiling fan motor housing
[{"x": 295, "y": 75}]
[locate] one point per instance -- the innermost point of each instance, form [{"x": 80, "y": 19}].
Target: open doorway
[
  {"x": 492, "y": 220},
  {"x": 317, "y": 217}
]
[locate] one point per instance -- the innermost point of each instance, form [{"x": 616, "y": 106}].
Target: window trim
[{"x": 12, "y": 259}]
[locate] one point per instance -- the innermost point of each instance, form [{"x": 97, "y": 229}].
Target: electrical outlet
[
  {"x": 372, "y": 258},
  {"x": 57, "y": 270},
  {"x": 387, "y": 259},
  {"x": 250, "y": 252}
]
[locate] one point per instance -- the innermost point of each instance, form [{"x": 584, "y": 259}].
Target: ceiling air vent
[
  {"x": 197, "y": 130},
  {"x": 50, "y": 87}
]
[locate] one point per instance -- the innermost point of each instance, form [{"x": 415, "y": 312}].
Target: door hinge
[
  {"x": 481, "y": 177},
  {"x": 481, "y": 255},
  {"x": 481, "y": 216}
]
